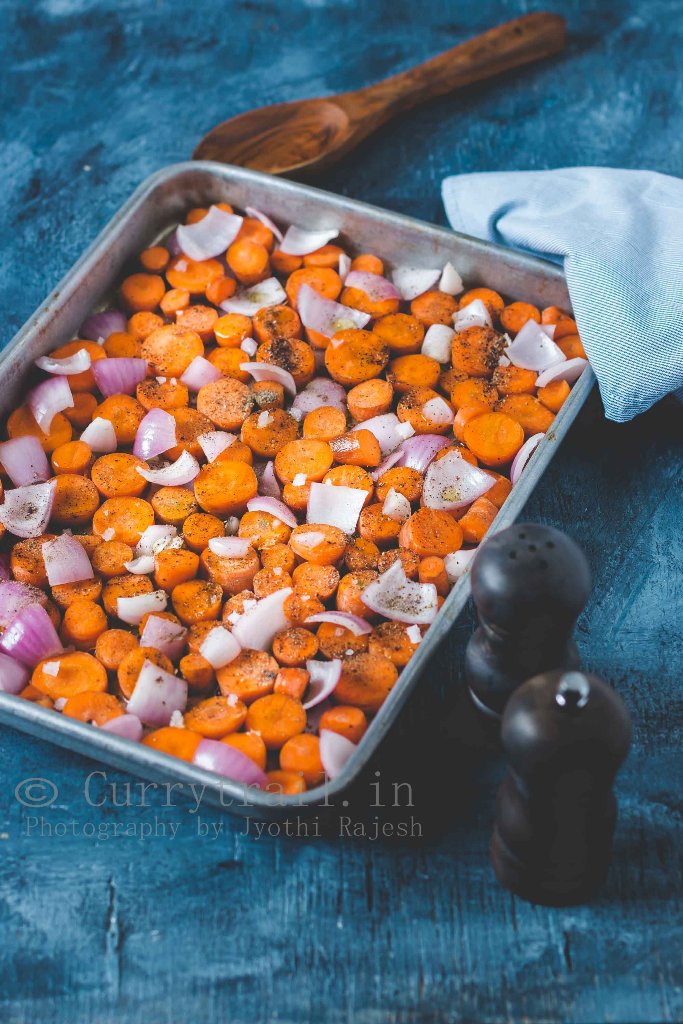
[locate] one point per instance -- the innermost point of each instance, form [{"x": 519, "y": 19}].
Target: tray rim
[{"x": 138, "y": 759}]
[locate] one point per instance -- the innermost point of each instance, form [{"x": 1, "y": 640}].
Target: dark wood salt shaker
[
  {"x": 565, "y": 735},
  {"x": 529, "y": 584}
]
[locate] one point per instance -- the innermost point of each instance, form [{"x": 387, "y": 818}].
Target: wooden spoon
[{"x": 311, "y": 134}]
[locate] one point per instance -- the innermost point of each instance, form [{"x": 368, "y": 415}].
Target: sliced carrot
[
  {"x": 196, "y": 601},
  {"x": 416, "y": 371},
  {"x": 249, "y": 676},
  {"x": 403, "y": 333},
  {"x": 172, "y": 505},
  {"x": 284, "y": 783},
  {"x": 301, "y": 755},
  {"x": 174, "y": 300},
  {"x": 200, "y": 319},
  {"x": 248, "y": 260},
  {"x": 513, "y": 380},
  {"x": 267, "y": 431},
  {"x": 295, "y": 646},
  {"x": 324, "y": 424},
  {"x": 76, "y": 500},
  {"x": 127, "y": 517},
  {"x": 22, "y": 424},
  {"x": 554, "y": 395},
  {"x": 354, "y": 356},
  {"x": 347, "y": 721},
  {"x": 514, "y": 316},
  {"x": 162, "y": 394},
  {"x": 84, "y": 621},
  {"x": 415, "y": 408},
  {"x": 72, "y": 457},
  {"x": 170, "y": 349},
  {"x": 224, "y": 488},
  {"x": 339, "y": 642},
  {"x": 226, "y": 402},
  {"x": 276, "y": 718},
  {"x": 477, "y": 520},
  {"x": 69, "y": 674},
  {"x": 180, "y": 743},
  {"x": 172, "y": 567},
  {"x": 112, "y": 647},
  {"x": 366, "y": 681},
  {"x": 125, "y": 415},
  {"x": 116, "y": 475},
  {"x": 434, "y": 307},
  {"x": 492, "y": 300},
  {"x": 371, "y": 398},
  {"x": 195, "y": 277},
  {"x": 476, "y": 351},
  {"x": 216, "y": 717},
  {"x": 292, "y": 682},
  {"x": 532, "y": 415},
  {"x": 323, "y": 280},
  {"x": 433, "y": 570},
  {"x": 350, "y": 590},
  {"x": 305, "y": 457},
  {"x": 361, "y": 554},
  {"x": 494, "y": 437},
  {"x": 94, "y": 707},
  {"x": 317, "y": 580},
  {"x": 142, "y": 292},
  {"x": 122, "y": 345},
  {"x": 318, "y": 543},
  {"x": 392, "y": 640},
  {"x": 357, "y": 448},
  {"x": 430, "y": 531},
  {"x": 250, "y": 744}
]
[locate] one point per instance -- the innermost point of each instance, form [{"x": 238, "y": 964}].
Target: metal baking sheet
[{"x": 156, "y": 207}]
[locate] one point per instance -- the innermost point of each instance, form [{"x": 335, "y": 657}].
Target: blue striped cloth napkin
[{"x": 619, "y": 235}]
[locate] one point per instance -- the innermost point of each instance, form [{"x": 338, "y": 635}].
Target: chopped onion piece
[
  {"x": 437, "y": 343},
  {"x": 414, "y": 281},
  {"x": 252, "y": 211},
  {"x": 387, "y": 430},
  {"x": 344, "y": 266},
  {"x": 155, "y": 538},
  {"x": 229, "y": 547},
  {"x": 100, "y": 436},
  {"x": 324, "y": 676},
  {"x": 438, "y": 411},
  {"x": 210, "y": 236},
  {"x": 414, "y": 634},
  {"x": 266, "y": 371},
  {"x": 256, "y": 629},
  {"x": 182, "y": 471},
  {"x": 164, "y": 635},
  {"x": 157, "y": 694},
  {"x": 335, "y": 506},
  {"x": 396, "y": 506},
  {"x": 129, "y": 727},
  {"x": 301, "y": 241},
  {"x": 549, "y": 329},
  {"x": 532, "y": 349},
  {"x": 141, "y": 565},
  {"x": 99, "y": 326},
  {"x": 48, "y": 398},
  {"x": 321, "y": 391},
  {"x": 451, "y": 483},
  {"x": 250, "y": 347},
  {"x": 213, "y": 442},
  {"x": 335, "y": 751},
  {"x": 569, "y": 370},
  {"x": 214, "y": 756},
  {"x": 523, "y": 455},
  {"x": 354, "y": 623},
  {"x": 13, "y": 675},
  {"x": 457, "y": 563},
  {"x": 474, "y": 314},
  {"x": 275, "y": 507},
  {"x": 200, "y": 372},
  {"x": 76, "y": 363},
  {"x": 450, "y": 281},
  {"x": 219, "y": 647},
  {"x": 268, "y": 485},
  {"x": 66, "y": 561},
  {"x": 119, "y": 376},
  {"x": 417, "y": 452},
  {"x": 396, "y": 597},
  {"x": 155, "y": 435},
  {"x": 325, "y": 316},
  {"x": 30, "y": 636},
  {"x": 15, "y": 596},
  {"x": 24, "y": 460},
  {"x": 26, "y": 510},
  {"x": 375, "y": 286},
  {"x": 249, "y": 301},
  {"x": 133, "y": 609}
]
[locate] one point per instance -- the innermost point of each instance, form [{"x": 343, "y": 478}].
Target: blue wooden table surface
[{"x": 111, "y": 910}]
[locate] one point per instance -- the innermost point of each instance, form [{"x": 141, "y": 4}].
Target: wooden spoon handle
[{"x": 507, "y": 46}]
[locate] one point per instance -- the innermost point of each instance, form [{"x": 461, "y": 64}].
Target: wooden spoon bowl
[{"x": 307, "y": 135}]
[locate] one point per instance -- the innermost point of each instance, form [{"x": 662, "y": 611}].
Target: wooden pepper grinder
[
  {"x": 529, "y": 584},
  {"x": 565, "y": 735}
]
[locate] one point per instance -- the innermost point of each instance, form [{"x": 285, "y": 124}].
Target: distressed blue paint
[{"x": 96, "y": 96}]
